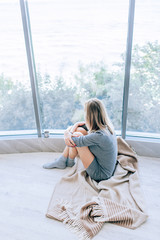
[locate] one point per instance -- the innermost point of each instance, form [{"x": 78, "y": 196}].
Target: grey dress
[{"x": 103, "y": 146}]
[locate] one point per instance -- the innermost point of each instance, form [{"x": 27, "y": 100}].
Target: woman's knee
[
  {"x": 82, "y": 130},
  {"x": 77, "y": 134}
]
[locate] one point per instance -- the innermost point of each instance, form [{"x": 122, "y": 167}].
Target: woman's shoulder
[
  {"x": 106, "y": 134},
  {"x": 103, "y": 132},
  {"x": 100, "y": 133},
  {"x": 97, "y": 132}
]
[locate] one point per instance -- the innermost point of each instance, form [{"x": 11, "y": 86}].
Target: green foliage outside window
[{"x": 61, "y": 105}]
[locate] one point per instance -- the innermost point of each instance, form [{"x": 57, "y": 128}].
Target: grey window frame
[
  {"x": 127, "y": 66},
  {"x": 31, "y": 63}
]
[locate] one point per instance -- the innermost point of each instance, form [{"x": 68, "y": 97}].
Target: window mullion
[
  {"x": 31, "y": 63},
  {"x": 127, "y": 66}
]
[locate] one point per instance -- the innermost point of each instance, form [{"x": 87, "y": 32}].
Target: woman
[{"x": 96, "y": 148}]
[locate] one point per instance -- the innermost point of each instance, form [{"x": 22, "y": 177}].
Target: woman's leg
[
  {"x": 67, "y": 157},
  {"x": 89, "y": 162},
  {"x": 66, "y": 152},
  {"x": 73, "y": 150},
  {"x": 71, "y": 156},
  {"x": 85, "y": 155}
]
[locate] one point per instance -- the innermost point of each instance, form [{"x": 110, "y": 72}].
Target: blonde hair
[{"x": 96, "y": 116}]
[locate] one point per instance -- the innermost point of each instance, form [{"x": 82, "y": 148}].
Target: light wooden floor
[{"x": 26, "y": 188}]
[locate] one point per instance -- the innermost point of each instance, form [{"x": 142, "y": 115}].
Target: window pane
[
  {"x": 78, "y": 47},
  {"x": 144, "y": 97},
  {"x": 16, "y": 107}
]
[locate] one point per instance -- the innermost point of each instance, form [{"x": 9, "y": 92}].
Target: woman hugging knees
[{"x": 93, "y": 140}]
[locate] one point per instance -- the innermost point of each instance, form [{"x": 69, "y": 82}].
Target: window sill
[{"x": 55, "y": 143}]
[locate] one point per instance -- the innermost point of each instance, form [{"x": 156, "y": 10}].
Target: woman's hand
[{"x": 68, "y": 139}]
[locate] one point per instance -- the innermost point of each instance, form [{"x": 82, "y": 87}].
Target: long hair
[{"x": 96, "y": 116}]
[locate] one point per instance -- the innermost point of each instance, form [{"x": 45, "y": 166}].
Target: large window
[
  {"x": 144, "y": 97},
  {"x": 16, "y": 107},
  {"x": 78, "y": 46},
  {"x": 76, "y": 50}
]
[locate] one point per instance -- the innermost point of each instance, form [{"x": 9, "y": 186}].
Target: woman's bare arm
[
  {"x": 75, "y": 126},
  {"x": 67, "y": 138}
]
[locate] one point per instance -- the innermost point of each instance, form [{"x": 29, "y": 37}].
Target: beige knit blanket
[{"x": 85, "y": 205}]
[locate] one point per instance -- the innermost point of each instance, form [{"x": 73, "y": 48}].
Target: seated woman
[{"x": 97, "y": 148}]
